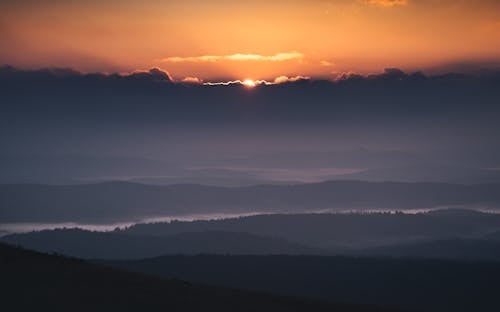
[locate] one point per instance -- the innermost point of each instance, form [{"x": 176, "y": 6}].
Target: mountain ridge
[{"x": 123, "y": 201}]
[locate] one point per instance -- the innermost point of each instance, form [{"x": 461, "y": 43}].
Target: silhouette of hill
[
  {"x": 103, "y": 245},
  {"x": 423, "y": 285},
  {"x": 121, "y": 201},
  {"x": 336, "y": 232},
  {"x": 492, "y": 236},
  {"x": 33, "y": 281},
  {"x": 458, "y": 248},
  {"x": 442, "y": 234},
  {"x": 459, "y": 213}
]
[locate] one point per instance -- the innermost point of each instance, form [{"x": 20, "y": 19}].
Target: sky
[{"x": 222, "y": 40}]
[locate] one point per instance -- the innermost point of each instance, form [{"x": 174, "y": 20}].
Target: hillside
[
  {"x": 459, "y": 249},
  {"x": 420, "y": 285},
  {"x": 443, "y": 234},
  {"x": 339, "y": 231},
  {"x": 39, "y": 282},
  {"x": 102, "y": 245}
]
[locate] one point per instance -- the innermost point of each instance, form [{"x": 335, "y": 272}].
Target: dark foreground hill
[
  {"x": 39, "y": 282},
  {"x": 121, "y": 201},
  {"x": 421, "y": 285}
]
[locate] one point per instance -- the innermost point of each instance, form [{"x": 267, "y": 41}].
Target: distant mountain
[
  {"x": 427, "y": 172},
  {"x": 121, "y": 201},
  {"x": 75, "y": 169},
  {"x": 415, "y": 285},
  {"x": 101, "y": 245},
  {"x": 268, "y": 168},
  {"x": 40, "y": 282},
  {"x": 346, "y": 158}
]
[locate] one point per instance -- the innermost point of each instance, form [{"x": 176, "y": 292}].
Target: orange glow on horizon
[{"x": 211, "y": 41}]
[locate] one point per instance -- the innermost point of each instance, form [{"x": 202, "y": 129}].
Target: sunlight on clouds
[
  {"x": 246, "y": 83},
  {"x": 387, "y": 3},
  {"x": 223, "y": 83},
  {"x": 204, "y": 58},
  {"x": 279, "y": 57},
  {"x": 326, "y": 63},
  {"x": 249, "y": 83},
  {"x": 254, "y": 83},
  {"x": 192, "y": 80},
  {"x": 288, "y": 56},
  {"x": 283, "y": 79}
]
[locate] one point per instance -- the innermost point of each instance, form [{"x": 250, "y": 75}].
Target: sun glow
[{"x": 249, "y": 83}]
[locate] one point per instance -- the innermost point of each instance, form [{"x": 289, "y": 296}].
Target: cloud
[
  {"x": 204, "y": 58},
  {"x": 241, "y": 82},
  {"x": 223, "y": 83},
  {"x": 283, "y": 79},
  {"x": 326, "y": 63},
  {"x": 192, "y": 80},
  {"x": 387, "y": 3},
  {"x": 393, "y": 95},
  {"x": 154, "y": 74},
  {"x": 277, "y": 80},
  {"x": 279, "y": 57},
  {"x": 287, "y": 56}
]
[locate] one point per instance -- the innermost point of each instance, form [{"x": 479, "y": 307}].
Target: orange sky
[{"x": 258, "y": 39}]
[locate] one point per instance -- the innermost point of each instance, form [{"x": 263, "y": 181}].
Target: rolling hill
[
  {"x": 104, "y": 245},
  {"x": 415, "y": 285},
  {"x": 340, "y": 231},
  {"x": 123, "y": 201},
  {"x": 33, "y": 281}
]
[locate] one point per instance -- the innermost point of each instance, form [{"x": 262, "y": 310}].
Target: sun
[{"x": 249, "y": 83}]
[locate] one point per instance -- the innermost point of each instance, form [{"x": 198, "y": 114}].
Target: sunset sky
[{"x": 222, "y": 40}]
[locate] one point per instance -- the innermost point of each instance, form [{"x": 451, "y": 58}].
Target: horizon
[
  {"x": 158, "y": 74},
  {"x": 227, "y": 41}
]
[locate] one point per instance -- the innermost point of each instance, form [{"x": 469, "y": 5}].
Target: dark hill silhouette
[
  {"x": 458, "y": 213},
  {"x": 420, "y": 285},
  {"x": 339, "y": 231},
  {"x": 458, "y": 248},
  {"x": 122, "y": 201},
  {"x": 101, "y": 245},
  {"x": 443, "y": 234},
  {"x": 492, "y": 236},
  {"x": 40, "y": 282}
]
